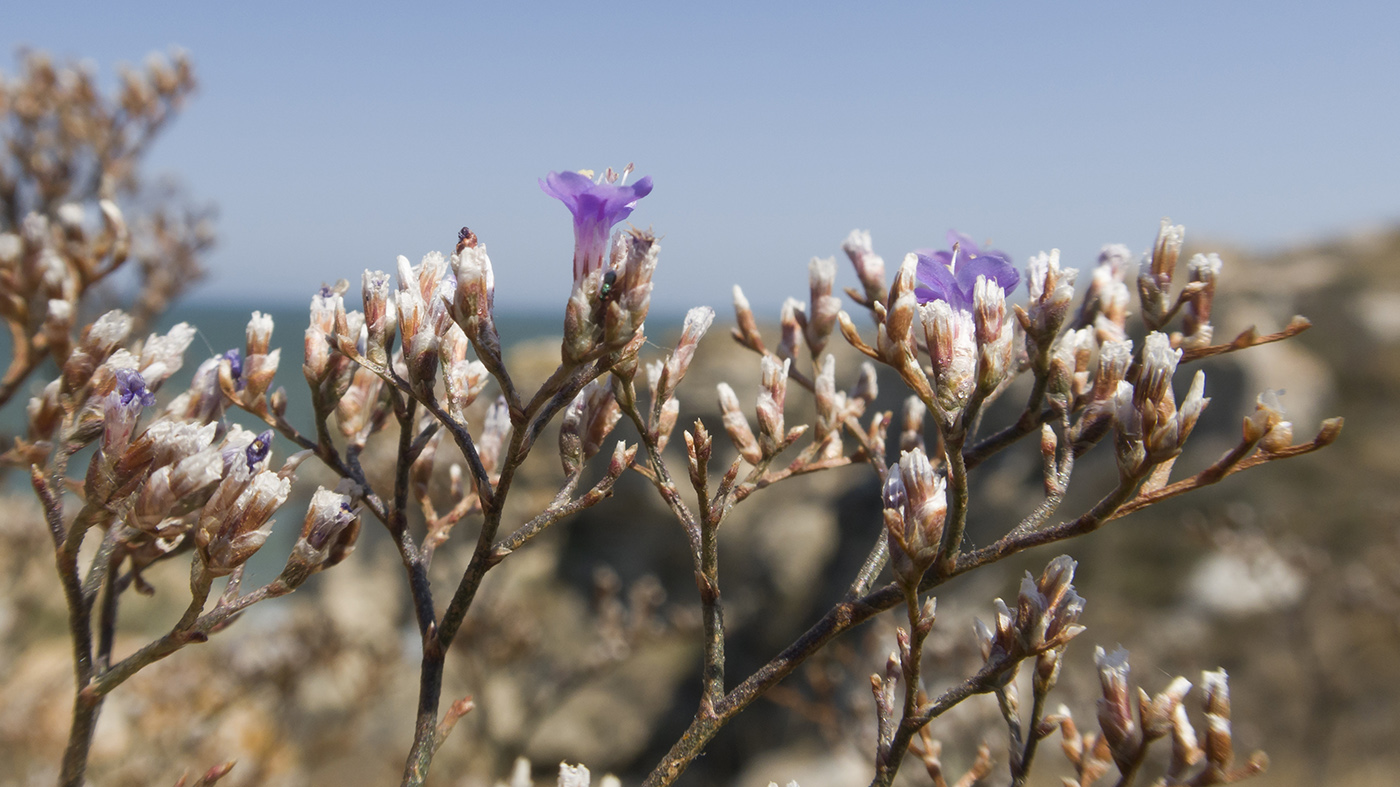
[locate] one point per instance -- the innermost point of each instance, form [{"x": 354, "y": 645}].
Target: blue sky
[{"x": 336, "y": 136}]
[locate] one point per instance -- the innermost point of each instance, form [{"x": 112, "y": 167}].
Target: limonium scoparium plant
[{"x": 191, "y": 477}]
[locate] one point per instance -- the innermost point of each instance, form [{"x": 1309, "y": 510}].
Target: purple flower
[
  {"x": 131, "y": 387},
  {"x": 259, "y": 449},
  {"x": 951, "y": 276},
  {"x": 596, "y": 208},
  {"x": 235, "y": 366}
]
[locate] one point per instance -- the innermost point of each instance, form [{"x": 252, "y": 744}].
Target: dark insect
[
  {"x": 466, "y": 239},
  {"x": 608, "y": 291}
]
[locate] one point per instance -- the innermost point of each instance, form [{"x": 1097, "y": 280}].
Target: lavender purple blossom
[
  {"x": 131, "y": 387},
  {"x": 951, "y": 275},
  {"x": 597, "y": 207}
]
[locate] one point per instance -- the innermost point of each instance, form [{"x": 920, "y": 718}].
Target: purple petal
[
  {"x": 936, "y": 283},
  {"x": 991, "y": 264}
]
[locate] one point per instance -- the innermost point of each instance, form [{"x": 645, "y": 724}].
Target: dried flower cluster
[{"x": 421, "y": 362}]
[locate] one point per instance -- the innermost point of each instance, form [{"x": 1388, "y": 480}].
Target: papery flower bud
[
  {"x": 99, "y": 341},
  {"x": 45, "y": 412},
  {"x": 1204, "y": 270},
  {"x": 821, "y": 274},
  {"x": 1048, "y": 608},
  {"x": 258, "y": 372},
  {"x": 771, "y": 395},
  {"x": 172, "y": 485},
  {"x": 1159, "y": 361},
  {"x": 1115, "y": 707},
  {"x": 952, "y": 346},
  {"x": 915, "y": 508},
  {"x": 58, "y": 328},
  {"x": 1155, "y": 713},
  {"x": 380, "y": 317},
  {"x": 634, "y": 262},
  {"x": 790, "y": 322},
  {"x": 622, "y": 457},
  {"x": 494, "y": 434},
  {"x": 697, "y": 322},
  {"x": 464, "y": 381},
  {"x": 896, "y": 337},
  {"x": 737, "y": 425},
  {"x": 829, "y": 403},
  {"x": 746, "y": 331},
  {"x": 1051, "y": 292},
  {"x": 1155, "y": 283},
  {"x": 227, "y": 537},
  {"x": 666, "y": 422},
  {"x": 354, "y": 410},
  {"x": 867, "y": 386},
  {"x": 1268, "y": 413},
  {"x": 121, "y": 408},
  {"x": 173, "y": 441},
  {"x": 911, "y": 436},
  {"x": 317, "y": 366},
  {"x": 1128, "y": 443},
  {"x": 416, "y": 327},
  {"x": 870, "y": 267},
  {"x": 1114, "y": 359},
  {"x": 259, "y": 333},
  {"x": 1111, "y": 323},
  {"x": 328, "y": 535},
  {"x": 1186, "y": 750},
  {"x": 474, "y": 303},
  {"x": 1219, "y": 744},
  {"x": 999, "y": 642},
  {"x": 590, "y": 417},
  {"x": 994, "y": 335}
]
